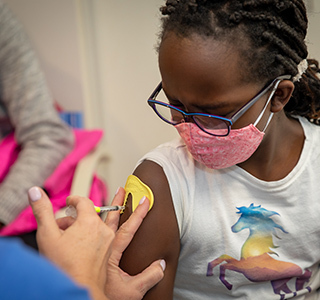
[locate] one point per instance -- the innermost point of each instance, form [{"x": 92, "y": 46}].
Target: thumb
[
  {"x": 150, "y": 276},
  {"x": 43, "y": 212}
]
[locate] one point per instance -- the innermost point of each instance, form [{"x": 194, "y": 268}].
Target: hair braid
[
  {"x": 285, "y": 62},
  {"x": 287, "y": 51},
  {"x": 275, "y": 31},
  {"x": 281, "y": 5},
  {"x": 280, "y": 25},
  {"x": 305, "y": 100},
  {"x": 169, "y": 8}
]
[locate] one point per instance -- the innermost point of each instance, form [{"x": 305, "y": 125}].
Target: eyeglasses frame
[{"x": 152, "y": 101}]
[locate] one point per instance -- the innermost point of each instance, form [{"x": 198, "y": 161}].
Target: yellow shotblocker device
[{"x": 137, "y": 189}]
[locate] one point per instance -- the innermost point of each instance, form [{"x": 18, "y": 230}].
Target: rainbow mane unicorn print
[{"x": 256, "y": 263}]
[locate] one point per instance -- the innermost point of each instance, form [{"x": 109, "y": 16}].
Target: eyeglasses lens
[
  {"x": 212, "y": 125},
  {"x": 171, "y": 116}
]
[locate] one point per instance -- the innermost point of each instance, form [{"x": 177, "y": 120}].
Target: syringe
[{"x": 72, "y": 212}]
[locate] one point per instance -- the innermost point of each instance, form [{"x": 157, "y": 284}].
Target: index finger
[
  {"x": 128, "y": 229},
  {"x": 112, "y": 219}
]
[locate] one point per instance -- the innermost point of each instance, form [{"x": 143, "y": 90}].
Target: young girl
[{"x": 236, "y": 211}]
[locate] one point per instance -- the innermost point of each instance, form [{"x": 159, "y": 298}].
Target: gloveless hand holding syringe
[{"x": 133, "y": 186}]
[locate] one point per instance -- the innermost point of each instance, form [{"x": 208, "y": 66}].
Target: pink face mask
[{"x": 218, "y": 152}]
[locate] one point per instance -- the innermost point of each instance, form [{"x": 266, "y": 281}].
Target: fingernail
[
  {"x": 34, "y": 194},
  {"x": 163, "y": 264},
  {"x": 143, "y": 199},
  {"x": 117, "y": 190}
]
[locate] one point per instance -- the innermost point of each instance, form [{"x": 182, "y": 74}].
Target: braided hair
[{"x": 272, "y": 40}]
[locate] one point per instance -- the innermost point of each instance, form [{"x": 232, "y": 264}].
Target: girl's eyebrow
[
  {"x": 212, "y": 106},
  {"x": 220, "y": 108},
  {"x": 203, "y": 107}
]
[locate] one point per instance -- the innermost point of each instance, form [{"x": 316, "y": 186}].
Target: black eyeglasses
[{"x": 211, "y": 124}]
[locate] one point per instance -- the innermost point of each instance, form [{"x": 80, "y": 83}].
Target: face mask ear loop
[
  {"x": 269, "y": 119},
  {"x": 265, "y": 107}
]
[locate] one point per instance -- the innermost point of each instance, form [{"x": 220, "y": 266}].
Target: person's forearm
[
  {"x": 96, "y": 293},
  {"x": 43, "y": 137},
  {"x": 35, "y": 164}
]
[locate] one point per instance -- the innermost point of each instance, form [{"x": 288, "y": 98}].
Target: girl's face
[{"x": 203, "y": 75}]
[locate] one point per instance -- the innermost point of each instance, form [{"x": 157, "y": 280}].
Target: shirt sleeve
[
  {"x": 44, "y": 138},
  {"x": 24, "y": 274}
]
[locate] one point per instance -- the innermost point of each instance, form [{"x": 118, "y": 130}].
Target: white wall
[
  {"x": 53, "y": 30},
  {"x": 128, "y": 73},
  {"x": 99, "y": 56},
  {"x": 313, "y": 37}
]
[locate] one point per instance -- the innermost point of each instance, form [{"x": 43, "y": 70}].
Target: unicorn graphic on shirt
[{"x": 256, "y": 263}]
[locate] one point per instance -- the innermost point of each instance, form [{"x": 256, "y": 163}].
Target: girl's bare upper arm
[{"x": 158, "y": 236}]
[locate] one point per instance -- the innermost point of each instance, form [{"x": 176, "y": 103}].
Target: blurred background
[{"x": 99, "y": 59}]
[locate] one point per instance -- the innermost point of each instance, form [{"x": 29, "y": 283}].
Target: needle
[{"x": 72, "y": 212}]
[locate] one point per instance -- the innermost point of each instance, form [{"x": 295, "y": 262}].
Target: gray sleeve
[{"x": 43, "y": 137}]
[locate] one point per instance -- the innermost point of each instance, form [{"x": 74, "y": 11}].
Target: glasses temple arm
[
  {"x": 156, "y": 91},
  {"x": 242, "y": 110}
]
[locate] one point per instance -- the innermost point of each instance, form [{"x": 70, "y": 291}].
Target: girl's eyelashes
[
  {"x": 176, "y": 103},
  {"x": 180, "y": 105},
  {"x": 207, "y": 109}
]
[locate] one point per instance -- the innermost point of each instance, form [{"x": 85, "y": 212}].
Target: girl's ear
[{"x": 282, "y": 95}]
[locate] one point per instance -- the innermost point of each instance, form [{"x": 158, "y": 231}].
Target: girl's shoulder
[{"x": 173, "y": 153}]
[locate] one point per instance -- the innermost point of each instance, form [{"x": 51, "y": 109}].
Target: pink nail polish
[
  {"x": 34, "y": 194},
  {"x": 163, "y": 264},
  {"x": 143, "y": 199}
]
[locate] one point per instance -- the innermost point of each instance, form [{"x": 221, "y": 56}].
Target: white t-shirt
[{"x": 263, "y": 238}]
